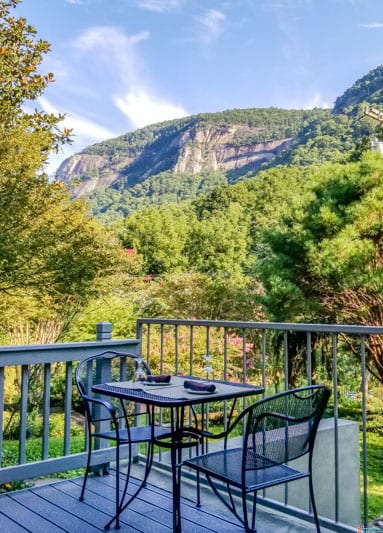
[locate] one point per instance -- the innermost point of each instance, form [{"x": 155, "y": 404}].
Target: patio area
[
  {"x": 54, "y": 507},
  {"x": 51, "y": 506}
]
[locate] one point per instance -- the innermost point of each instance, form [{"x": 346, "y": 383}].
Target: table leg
[{"x": 175, "y": 454}]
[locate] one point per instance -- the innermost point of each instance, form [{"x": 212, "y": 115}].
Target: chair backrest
[
  {"x": 283, "y": 427},
  {"x": 104, "y": 367}
]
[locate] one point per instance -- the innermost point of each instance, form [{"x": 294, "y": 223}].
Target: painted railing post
[
  {"x": 104, "y": 331},
  {"x": 103, "y": 375}
]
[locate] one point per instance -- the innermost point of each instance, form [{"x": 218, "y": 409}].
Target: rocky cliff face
[
  {"x": 221, "y": 148},
  {"x": 199, "y": 148}
]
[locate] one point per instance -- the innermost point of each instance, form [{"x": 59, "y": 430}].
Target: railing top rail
[
  {"x": 59, "y": 352},
  {"x": 279, "y": 326}
]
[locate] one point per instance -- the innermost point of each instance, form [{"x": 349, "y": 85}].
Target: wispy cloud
[
  {"x": 85, "y": 132},
  {"x": 82, "y": 126},
  {"x": 372, "y": 25},
  {"x": 115, "y": 54},
  {"x": 142, "y": 108},
  {"x": 315, "y": 100},
  {"x": 212, "y": 23},
  {"x": 112, "y": 50},
  {"x": 275, "y": 5},
  {"x": 82, "y": 2},
  {"x": 159, "y": 6}
]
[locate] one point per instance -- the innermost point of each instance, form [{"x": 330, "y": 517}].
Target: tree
[
  {"x": 51, "y": 251},
  {"x": 218, "y": 242},
  {"x": 326, "y": 261},
  {"x": 159, "y": 234}
]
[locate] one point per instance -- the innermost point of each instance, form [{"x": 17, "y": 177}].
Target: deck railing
[
  {"x": 27, "y": 361},
  {"x": 278, "y": 356}
]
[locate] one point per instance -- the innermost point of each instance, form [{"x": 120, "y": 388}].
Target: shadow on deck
[{"x": 54, "y": 507}]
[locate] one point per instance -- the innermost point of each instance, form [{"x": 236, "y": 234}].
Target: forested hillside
[{"x": 180, "y": 159}]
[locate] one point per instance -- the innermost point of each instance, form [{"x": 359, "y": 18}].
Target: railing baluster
[
  {"x": 264, "y": 350},
  {"x": 191, "y": 350},
  {"x": 46, "y": 410},
  {"x": 286, "y": 359},
  {"x": 309, "y": 358},
  {"x": 286, "y": 380},
  {"x": 162, "y": 348},
  {"x": 364, "y": 428},
  {"x": 148, "y": 344},
  {"x": 67, "y": 406},
  {"x": 244, "y": 366},
  {"x": 336, "y": 432},
  {"x": 23, "y": 413},
  {"x": 176, "y": 348}
]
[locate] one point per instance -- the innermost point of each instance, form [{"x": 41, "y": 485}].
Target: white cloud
[
  {"x": 314, "y": 100},
  {"x": 212, "y": 23},
  {"x": 112, "y": 52},
  {"x": 159, "y": 6},
  {"x": 82, "y": 127},
  {"x": 85, "y": 133},
  {"x": 107, "y": 36},
  {"x": 115, "y": 55},
  {"x": 143, "y": 109},
  {"x": 372, "y": 25},
  {"x": 108, "y": 73}
]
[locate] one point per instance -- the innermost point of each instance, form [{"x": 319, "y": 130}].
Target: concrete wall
[
  {"x": 297, "y": 492},
  {"x": 324, "y": 475}
]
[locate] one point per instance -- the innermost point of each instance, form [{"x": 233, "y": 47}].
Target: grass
[
  {"x": 33, "y": 453},
  {"x": 374, "y": 475},
  {"x": 351, "y": 408}
]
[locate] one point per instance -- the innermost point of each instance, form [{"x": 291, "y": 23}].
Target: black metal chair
[
  {"x": 277, "y": 430},
  {"x": 114, "y": 420}
]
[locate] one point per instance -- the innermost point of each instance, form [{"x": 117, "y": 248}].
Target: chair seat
[
  {"x": 261, "y": 472},
  {"x": 135, "y": 435}
]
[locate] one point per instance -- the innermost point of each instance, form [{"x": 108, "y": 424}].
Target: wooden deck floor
[{"x": 54, "y": 508}]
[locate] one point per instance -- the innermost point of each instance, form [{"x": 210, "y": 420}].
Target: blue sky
[{"x": 123, "y": 64}]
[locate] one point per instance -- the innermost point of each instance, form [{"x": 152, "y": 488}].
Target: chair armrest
[
  {"x": 211, "y": 435},
  {"x": 226, "y": 433},
  {"x": 109, "y": 407}
]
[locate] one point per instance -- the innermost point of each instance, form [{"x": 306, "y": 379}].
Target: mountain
[
  {"x": 224, "y": 141},
  {"x": 179, "y": 159},
  {"x": 368, "y": 89}
]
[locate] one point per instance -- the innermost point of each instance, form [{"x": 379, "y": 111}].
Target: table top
[{"x": 175, "y": 394}]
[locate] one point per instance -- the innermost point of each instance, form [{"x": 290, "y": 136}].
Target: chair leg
[
  {"x": 127, "y": 476},
  {"x": 117, "y": 485},
  {"x": 86, "y": 470},
  {"x": 248, "y": 528},
  {"x": 198, "y": 504},
  {"x": 116, "y": 517},
  {"x": 313, "y": 504}
]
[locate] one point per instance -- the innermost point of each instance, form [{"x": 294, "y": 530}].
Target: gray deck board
[{"x": 55, "y": 508}]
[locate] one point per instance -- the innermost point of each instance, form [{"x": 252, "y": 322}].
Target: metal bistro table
[{"x": 175, "y": 397}]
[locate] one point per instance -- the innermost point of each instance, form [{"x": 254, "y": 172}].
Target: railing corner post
[{"x": 104, "y": 331}]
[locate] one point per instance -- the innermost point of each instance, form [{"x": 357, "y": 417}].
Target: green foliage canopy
[{"x": 51, "y": 251}]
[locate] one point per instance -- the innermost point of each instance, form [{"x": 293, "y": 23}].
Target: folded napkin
[
  {"x": 162, "y": 378},
  {"x": 199, "y": 386}
]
